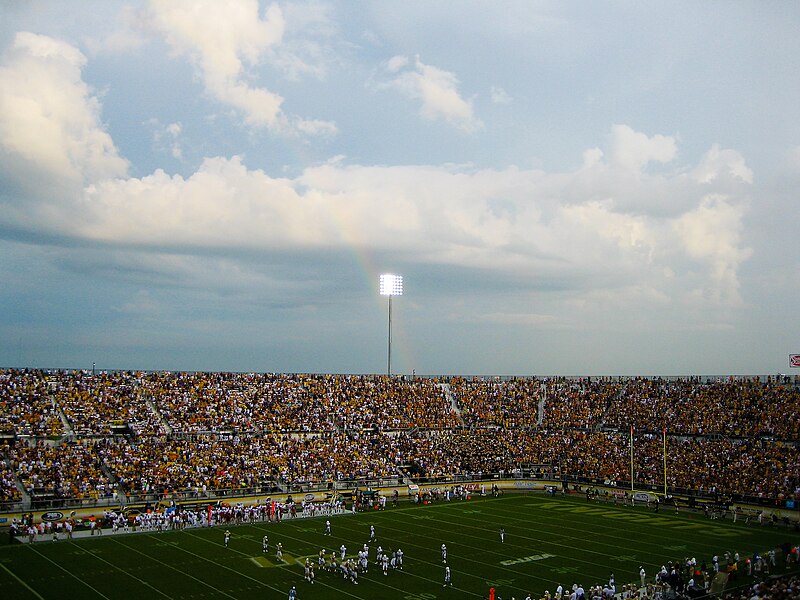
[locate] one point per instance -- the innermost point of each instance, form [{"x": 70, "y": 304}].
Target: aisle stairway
[{"x": 452, "y": 399}]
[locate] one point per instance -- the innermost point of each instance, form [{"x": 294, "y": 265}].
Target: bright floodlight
[{"x": 391, "y": 285}]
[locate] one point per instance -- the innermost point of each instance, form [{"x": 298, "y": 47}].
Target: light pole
[{"x": 391, "y": 285}]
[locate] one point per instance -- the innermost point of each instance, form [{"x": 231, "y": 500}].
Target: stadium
[
  {"x": 574, "y": 218},
  {"x": 116, "y": 484}
]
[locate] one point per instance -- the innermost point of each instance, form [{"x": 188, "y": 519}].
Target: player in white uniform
[
  {"x": 328, "y": 528},
  {"x": 343, "y": 550},
  {"x": 227, "y": 537},
  {"x": 265, "y": 544},
  {"x": 372, "y": 533},
  {"x": 502, "y": 535},
  {"x": 444, "y": 554},
  {"x": 447, "y": 580}
]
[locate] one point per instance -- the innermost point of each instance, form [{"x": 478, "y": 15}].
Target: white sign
[{"x": 794, "y": 360}]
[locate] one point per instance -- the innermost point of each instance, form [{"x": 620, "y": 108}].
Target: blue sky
[{"x": 566, "y": 187}]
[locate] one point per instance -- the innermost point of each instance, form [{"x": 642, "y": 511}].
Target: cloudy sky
[{"x": 566, "y": 187}]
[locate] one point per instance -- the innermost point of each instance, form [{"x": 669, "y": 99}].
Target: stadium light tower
[{"x": 391, "y": 285}]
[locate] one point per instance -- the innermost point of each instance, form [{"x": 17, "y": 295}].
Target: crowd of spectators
[
  {"x": 63, "y": 470},
  {"x": 8, "y": 485},
  {"x": 739, "y": 408},
  {"x": 511, "y": 403},
  {"x": 784, "y": 588},
  {"x": 578, "y": 404},
  {"x": 26, "y": 407},
  {"x": 192, "y": 432},
  {"x": 93, "y": 403},
  {"x": 163, "y": 465},
  {"x": 254, "y": 402}
]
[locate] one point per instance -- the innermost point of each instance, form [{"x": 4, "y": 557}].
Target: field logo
[
  {"x": 526, "y": 559},
  {"x": 794, "y": 360},
  {"x": 51, "y": 516}
]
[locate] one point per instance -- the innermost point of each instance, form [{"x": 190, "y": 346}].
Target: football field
[{"x": 547, "y": 541}]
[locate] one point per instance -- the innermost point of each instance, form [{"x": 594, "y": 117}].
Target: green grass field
[{"x": 548, "y": 541}]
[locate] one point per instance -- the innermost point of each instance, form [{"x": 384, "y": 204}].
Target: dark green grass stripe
[
  {"x": 641, "y": 519},
  {"x": 585, "y": 541},
  {"x": 73, "y": 566},
  {"x": 165, "y": 563},
  {"x": 16, "y": 582},
  {"x": 640, "y": 526},
  {"x": 580, "y": 525},
  {"x": 72, "y": 575},
  {"x": 137, "y": 592}
]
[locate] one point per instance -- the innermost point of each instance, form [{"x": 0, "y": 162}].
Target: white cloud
[
  {"x": 500, "y": 96},
  {"x": 437, "y": 215},
  {"x": 311, "y": 41},
  {"x": 221, "y": 205},
  {"x": 316, "y": 127},
  {"x": 224, "y": 40},
  {"x": 633, "y": 150},
  {"x": 629, "y": 232},
  {"x": 589, "y": 228},
  {"x": 50, "y": 121},
  {"x": 396, "y": 63},
  {"x": 592, "y": 157},
  {"x": 712, "y": 233},
  {"x": 167, "y": 138},
  {"x": 437, "y": 89},
  {"x": 127, "y": 35},
  {"x": 220, "y": 37},
  {"x": 719, "y": 162},
  {"x": 115, "y": 41}
]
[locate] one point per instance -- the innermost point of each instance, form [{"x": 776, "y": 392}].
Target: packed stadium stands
[{"x": 79, "y": 435}]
